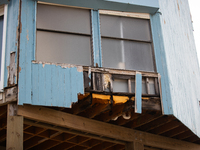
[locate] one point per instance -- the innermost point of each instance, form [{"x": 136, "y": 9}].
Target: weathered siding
[
  {"x": 11, "y": 37},
  {"x": 181, "y": 60},
  {"x": 161, "y": 64},
  {"x": 48, "y": 85},
  {"x": 54, "y": 85}
]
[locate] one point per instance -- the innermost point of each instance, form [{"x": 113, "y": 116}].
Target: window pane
[
  {"x": 63, "y": 48},
  {"x": 63, "y": 19},
  {"x": 125, "y": 27},
  {"x": 1, "y": 39},
  {"x": 138, "y": 56},
  {"x": 129, "y": 55},
  {"x": 112, "y": 54},
  {"x": 120, "y": 85}
]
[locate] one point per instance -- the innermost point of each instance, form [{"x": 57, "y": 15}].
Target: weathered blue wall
[
  {"x": 161, "y": 64},
  {"x": 39, "y": 84},
  {"x": 11, "y": 36},
  {"x": 182, "y": 66}
]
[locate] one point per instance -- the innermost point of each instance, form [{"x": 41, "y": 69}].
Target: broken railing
[{"x": 133, "y": 84}]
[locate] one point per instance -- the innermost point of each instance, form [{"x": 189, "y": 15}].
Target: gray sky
[{"x": 195, "y": 12}]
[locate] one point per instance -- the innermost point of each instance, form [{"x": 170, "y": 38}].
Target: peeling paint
[
  {"x": 27, "y": 36},
  {"x": 107, "y": 80},
  {"x": 178, "y": 7},
  {"x": 11, "y": 70}
]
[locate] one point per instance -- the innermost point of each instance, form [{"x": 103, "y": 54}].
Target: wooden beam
[
  {"x": 102, "y": 129},
  {"x": 134, "y": 146},
  {"x": 14, "y": 140}
]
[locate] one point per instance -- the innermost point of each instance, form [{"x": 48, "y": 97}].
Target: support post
[
  {"x": 134, "y": 146},
  {"x": 14, "y": 139}
]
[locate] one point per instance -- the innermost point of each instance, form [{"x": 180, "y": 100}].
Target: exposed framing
[
  {"x": 3, "y": 11},
  {"x": 101, "y": 129}
]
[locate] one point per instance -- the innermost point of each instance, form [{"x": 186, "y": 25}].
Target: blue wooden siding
[
  {"x": 138, "y": 92},
  {"x": 11, "y": 35},
  {"x": 181, "y": 66},
  {"x": 161, "y": 64},
  {"x": 27, "y": 46},
  {"x": 48, "y": 85},
  {"x": 143, "y": 6},
  {"x": 54, "y": 85},
  {"x": 96, "y": 36}
]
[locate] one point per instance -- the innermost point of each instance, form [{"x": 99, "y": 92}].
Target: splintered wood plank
[
  {"x": 98, "y": 107},
  {"x": 116, "y": 111},
  {"x": 82, "y": 105}
]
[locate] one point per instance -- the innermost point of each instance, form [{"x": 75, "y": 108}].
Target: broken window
[
  {"x": 126, "y": 43},
  {"x": 63, "y": 35}
]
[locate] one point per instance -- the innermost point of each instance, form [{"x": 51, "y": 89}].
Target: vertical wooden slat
[
  {"x": 14, "y": 139},
  {"x": 147, "y": 86},
  {"x": 129, "y": 86},
  {"x": 138, "y": 92},
  {"x": 156, "y": 86},
  {"x": 96, "y": 38},
  {"x": 161, "y": 98}
]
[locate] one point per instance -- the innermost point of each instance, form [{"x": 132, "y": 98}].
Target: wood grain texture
[{"x": 100, "y": 128}]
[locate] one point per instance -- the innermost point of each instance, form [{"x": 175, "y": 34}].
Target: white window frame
[{"x": 3, "y": 11}]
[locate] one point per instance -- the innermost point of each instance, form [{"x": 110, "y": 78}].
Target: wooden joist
[{"x": 102, "y": 129}]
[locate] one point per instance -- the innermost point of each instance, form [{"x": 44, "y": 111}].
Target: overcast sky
[{"x": 195, "y": 12}]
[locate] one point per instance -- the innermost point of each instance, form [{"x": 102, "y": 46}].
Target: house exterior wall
[
  {"x": 181, "y": 62},
  {"x": 174, "y": 48}
]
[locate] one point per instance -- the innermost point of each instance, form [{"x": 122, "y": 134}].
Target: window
[
  {"x": 63, "y": 35},
  {"x": 3, "y": 17},
  {"x": 126, "y": 43}
]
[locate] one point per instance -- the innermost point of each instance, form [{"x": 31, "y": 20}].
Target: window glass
[
  {"x": 64, "y": 19},
  {"x": 63, "y": 48},
  {"x": 126, "y": 43},
  {"x": 63, "y": 35},
  {"x": 124, "y": 27}
]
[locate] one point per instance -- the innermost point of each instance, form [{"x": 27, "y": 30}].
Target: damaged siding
[
  {"x": 11, "y": 44},
  {"x": 39, "y": 84},
  {"x": 54, "y": 85}
]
